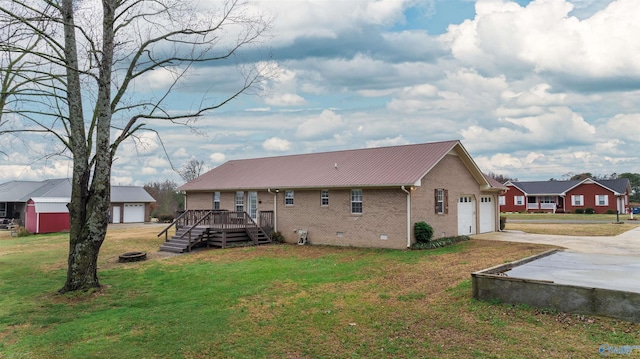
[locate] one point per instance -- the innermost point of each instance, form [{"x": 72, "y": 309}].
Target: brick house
[
  {"x": 367, "y": 197},
  {"x": 567, "y": 196}
]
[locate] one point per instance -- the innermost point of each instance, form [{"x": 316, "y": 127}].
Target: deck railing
[
  {"x": 265, "y": 221},
  {"x": 221, "y": 220}
]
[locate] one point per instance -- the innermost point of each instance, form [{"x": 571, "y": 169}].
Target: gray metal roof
[
  {"x": 371, "y": 167},
  {"x": 22, "y": 191},
  {"x": 541, "y": 188},
  {"x": 545, "y": 187},
  {"x": 130, "y": 194},
  {"x": 620, "y": 185}
]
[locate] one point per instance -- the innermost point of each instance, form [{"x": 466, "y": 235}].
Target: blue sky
[{"x": 533, "y": 89}]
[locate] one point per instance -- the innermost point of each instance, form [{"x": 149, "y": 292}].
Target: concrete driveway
[{"x": 627, "y": 243}]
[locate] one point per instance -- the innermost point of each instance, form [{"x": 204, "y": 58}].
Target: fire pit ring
[{"x": 132, "y": 257}]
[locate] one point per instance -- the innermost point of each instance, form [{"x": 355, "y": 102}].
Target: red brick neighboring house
[
  {"x": 367, "y": 197},
  {"x": 567, "y": 196}
]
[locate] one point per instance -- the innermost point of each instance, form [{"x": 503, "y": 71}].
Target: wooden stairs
[
  {"x": 180, "y": 242},
  {"x": 211, "y": 237}
]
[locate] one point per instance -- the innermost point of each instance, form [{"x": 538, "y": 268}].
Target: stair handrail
[
  {"x": 174, "y": 223},
  {"x": 252, "y": 230},
  {"x": 195, "y": 224},
  {"x": 266, "y": 223}
]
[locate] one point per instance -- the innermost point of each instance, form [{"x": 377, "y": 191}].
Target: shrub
[
  {"x": 165, "y": 218},
  {"x": 579, "y": 210},
  {"x": 503, "y": 222},
  {"x": 589, "y": 210},
  {"x": 610, "y": 211},
  {"x": 439, "y": 243},
  {"x": 423, "y": 232},
  {"x": 22, "y": 232},
  {"x": 277, "y": 237}
]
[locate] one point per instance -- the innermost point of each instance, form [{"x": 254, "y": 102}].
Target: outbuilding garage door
[
  {"x": 487, "y": 214},
  {"x": 466, "y": 216},
  {"x": 133, "y": 212}
]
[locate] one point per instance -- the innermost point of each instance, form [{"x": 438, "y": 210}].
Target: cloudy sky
[{"x": 533, "y": 89}]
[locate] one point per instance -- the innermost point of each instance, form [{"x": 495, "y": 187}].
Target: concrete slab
[
  {"x": 613, "y": 272},
  {"x": 565, "y": 281}
]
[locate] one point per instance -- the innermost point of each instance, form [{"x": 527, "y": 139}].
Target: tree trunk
[{"x": 91, "y": 190}]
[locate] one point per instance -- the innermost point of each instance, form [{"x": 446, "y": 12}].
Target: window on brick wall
[
  {"x": 547, "y": 199},
  {"x": 288, "y": 198},
  {"x": 239, "y": 201},
  {"x": 518, "y": 200},
  {"x": 356, "y": 201},
  {"x": 503, "y": 200},
  {"x": 602, "y": 200},
  {"x": 577, "y": 200},
  {"x": 216, "y": 200},
  {"x": 324, "y": 197},
  {"x": 441, "y": 199}
]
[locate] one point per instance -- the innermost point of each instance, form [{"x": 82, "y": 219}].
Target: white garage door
[
  {"x": 466, "y": 216},
  {"x": 133, "y": 213},
  {"x": 487, "y": 214}
]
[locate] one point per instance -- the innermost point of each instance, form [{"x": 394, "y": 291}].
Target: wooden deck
[{"x": 216, "y": 228}]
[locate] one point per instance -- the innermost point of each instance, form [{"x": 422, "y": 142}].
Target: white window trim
[
  {"x": 216, "y": 200},
  {"x": 503, "y": 200},
  {"x": 516, "y": 198},
  {"x": 606, "y": 200},
  {"x": 440, "y": 201},
  {"x": 547, "y": 199},
  {"x": 324, "y": 195},
  {"x": 357, "y": 199},
  {"x": 239, "y": 201},
  {"x": 577, "y": 200},
  {"x": 289, "y": 196}
]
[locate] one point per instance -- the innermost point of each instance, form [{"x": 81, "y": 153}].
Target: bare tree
[
  {"x": 192, "y": 170},
  {"x": 69, "y": 71},
  {"x": 500, "y": 177}
]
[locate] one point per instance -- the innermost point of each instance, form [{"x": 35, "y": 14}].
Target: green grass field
[
  {"x": 568, "y": 217},
  {"x": 279, "y": 301}
]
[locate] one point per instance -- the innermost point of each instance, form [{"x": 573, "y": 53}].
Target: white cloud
[
  {"x": 121, "y": 180},
  {"x": 396, "y": 141},
  {"x": 328, "y": 18},
  {"x": 285, "y": 99},
  {"x": 217, "y": 157},
  {"x": 327, "y": 123},
  {"x": 140, "y": 144},
  {"x": 159, "y": 79},
  {"x": 280, "y": 86},
  {"x": 181, "y": 152},
  {"x": 559, "y": 125},
  {"x": 543, "y": 37},
  {"x": 276, "y": 144},
  {"x": 148, "y": 171},
  {"x": 622, "y": 126}
]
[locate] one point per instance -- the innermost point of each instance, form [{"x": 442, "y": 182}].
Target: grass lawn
[
  {"x": 572, "y": 229},
  {"x": 548, "y": 223},
  {"x": 567, "y": 217},
  {"x": 279, "y": 301}
]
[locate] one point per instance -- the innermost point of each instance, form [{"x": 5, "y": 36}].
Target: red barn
[{"x": 47, "y": 215}]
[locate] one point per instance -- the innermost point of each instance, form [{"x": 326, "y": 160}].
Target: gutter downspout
[
  {"x": 275, "y": 209},
  {"x": 408, "y": 216}
]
